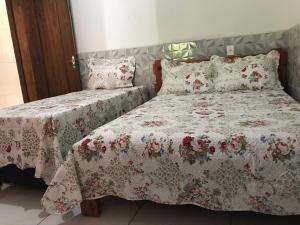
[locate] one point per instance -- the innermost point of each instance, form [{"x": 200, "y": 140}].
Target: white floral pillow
[
  {"x": 111, "y": 73},
  {"x": 248, "y": 73},
  {"x": 181, "y": 77}
]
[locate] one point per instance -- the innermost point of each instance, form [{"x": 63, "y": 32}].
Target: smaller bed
[
  {"x": 40, "y": 134},
  {"x": 231, "y": 151}
]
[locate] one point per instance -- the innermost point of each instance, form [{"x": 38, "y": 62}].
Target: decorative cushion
[
  {"x": 111, "y": 73},
  {"x": 248, "y": 73},
  {"x": 182, "y": 77}
]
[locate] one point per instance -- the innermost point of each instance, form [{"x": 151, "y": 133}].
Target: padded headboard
[{"x": 282, "y": 69}]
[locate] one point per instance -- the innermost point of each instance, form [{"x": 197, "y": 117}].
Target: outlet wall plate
[{"x": 230, "y": 50}]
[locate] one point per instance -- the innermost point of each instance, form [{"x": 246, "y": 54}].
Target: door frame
[{"x": 17, "y": 51}]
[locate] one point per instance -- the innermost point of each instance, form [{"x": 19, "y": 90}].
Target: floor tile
[
  {"x": 157, "y": 214},
  {"x": 114, "y": 212},
  {"x": 20, "y": 206},
  {"x": 249, "y": 218}
]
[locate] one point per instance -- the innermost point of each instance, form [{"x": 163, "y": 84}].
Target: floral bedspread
[
  {"x": 39, "y": 134},
  {"x": 231, "y": 151}
]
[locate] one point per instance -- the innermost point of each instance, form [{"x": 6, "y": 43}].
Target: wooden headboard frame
[{"x": 282, "y": 69}]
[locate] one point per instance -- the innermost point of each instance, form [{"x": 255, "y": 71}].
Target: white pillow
[
  {"x": 181, "y": 77},
  {"x": 111, "y": 73},
  {"x": 248, "y": 73}
]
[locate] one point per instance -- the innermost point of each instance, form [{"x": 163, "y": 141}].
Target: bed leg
[{"x": 91, "y": 208}]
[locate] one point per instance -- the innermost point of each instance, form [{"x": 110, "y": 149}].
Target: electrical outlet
[{"x": 230, "y": 50}]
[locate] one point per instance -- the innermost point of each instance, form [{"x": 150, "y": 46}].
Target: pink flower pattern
[{"x": 222, "y": 151}]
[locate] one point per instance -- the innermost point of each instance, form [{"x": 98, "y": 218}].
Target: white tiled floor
[{"x": 21, "y": 206}]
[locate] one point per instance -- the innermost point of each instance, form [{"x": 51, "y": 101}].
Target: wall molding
[
  {"x": 293, "y": 46},
  {"x": 145, "y": 56}
]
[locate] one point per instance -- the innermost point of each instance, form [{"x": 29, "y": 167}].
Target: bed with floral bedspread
[
  {"x": 231, "y": 151},
  {"x": 39, "y": 134}
]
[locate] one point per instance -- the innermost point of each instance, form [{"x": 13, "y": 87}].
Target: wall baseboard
[
  {"x": 244, "y": 45},
  {"x": 145, "y": 56},
  {"x": 294, "y": 92}
]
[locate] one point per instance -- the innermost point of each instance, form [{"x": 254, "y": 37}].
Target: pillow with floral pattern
[
  {"x": 111, "y": 73},
  {"x": 248, "y": 73},
  {"x": 182, "y": 77}
]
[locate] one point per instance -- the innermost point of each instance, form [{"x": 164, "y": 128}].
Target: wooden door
[{"x": 45, "y": 47}]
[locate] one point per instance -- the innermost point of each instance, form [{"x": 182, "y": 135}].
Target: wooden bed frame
[{"x": 92, "y": 208}]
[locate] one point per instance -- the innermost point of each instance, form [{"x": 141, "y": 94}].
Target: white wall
[
  {"x": 10, "y": 89},
  {"x": 113, "y": 24},
  {"x": 292, "y": 12}
]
